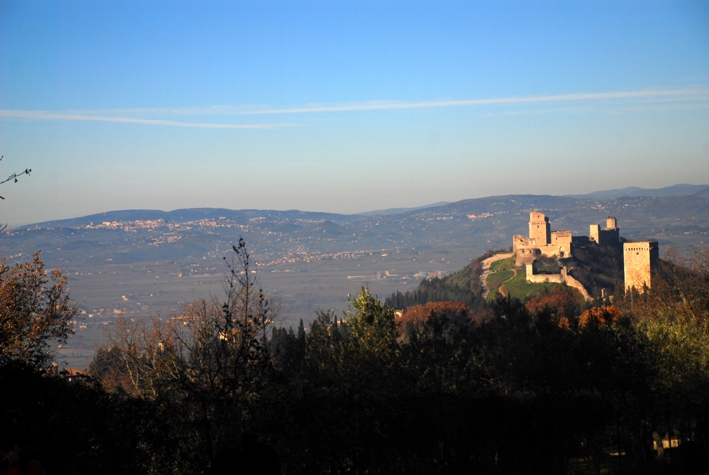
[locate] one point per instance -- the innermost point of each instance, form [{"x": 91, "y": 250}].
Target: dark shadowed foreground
[{"x": 550, "y": 385}]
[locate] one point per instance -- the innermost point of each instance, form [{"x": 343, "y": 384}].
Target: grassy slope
[
  {"x": 517, "y": 286},
  {"x": 496, "y": 279},
  {"x": 502, "y": 264}
]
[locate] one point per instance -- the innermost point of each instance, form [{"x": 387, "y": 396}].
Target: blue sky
[{"x": 344, "y": 106}]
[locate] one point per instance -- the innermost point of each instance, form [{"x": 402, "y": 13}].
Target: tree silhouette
[{"x": 13, "y": 177}]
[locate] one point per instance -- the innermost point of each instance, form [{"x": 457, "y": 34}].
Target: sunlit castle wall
[
  {"x": 639, "y": 260},
  {"x": 561, "y": 240}
]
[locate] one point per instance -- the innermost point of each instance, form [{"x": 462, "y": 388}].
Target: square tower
[
  {"x": 609, "y": 235},
  {"x": 539, "y": 228},
  {"x": 639, "y": 260},
  {"x": 595, "y": 233}
]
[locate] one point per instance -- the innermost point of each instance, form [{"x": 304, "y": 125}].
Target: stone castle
[
  {"x": 639, "y": 257},
  {"x": 541, "y": 241}
]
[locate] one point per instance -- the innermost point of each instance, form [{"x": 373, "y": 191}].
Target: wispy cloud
[
  {"x": 648, "y": 95},
  {"x": 662, "y": 95},
  {"x": 659, "y": 106},
  {"x": 685, "y": 96},
  {"x": 49, "y": 115}
]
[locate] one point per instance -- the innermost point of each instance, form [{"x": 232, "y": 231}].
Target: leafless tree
[
  {"x": 210, "y": 359},
  {"x": 13, "y": 178}
]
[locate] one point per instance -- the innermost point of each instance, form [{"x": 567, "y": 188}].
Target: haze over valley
[{"x": 141, "y": 263}]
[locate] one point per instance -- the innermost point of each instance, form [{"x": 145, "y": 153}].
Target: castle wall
[
  {"x": 543, "y": 278},
  {"x": 525, "y": 249},
  {"x": 521, "y": 242},
  {"x": 549, "y": 251},
  {"x": 562, "y": 240},
  {"x": 571, "y": 282},
  {"x": 563, "y": 278},
  {"x": 639, "y": 260}
]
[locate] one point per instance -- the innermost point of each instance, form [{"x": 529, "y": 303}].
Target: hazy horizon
[
  {"x": 344, "y": 107},
  {"x": 362, "y": 213}
]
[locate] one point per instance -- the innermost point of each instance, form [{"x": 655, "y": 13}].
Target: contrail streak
[
  {"x": 46, "y": 115},
  {"x": 117, "y": 115},
  {"x": 677, "y": 94}
]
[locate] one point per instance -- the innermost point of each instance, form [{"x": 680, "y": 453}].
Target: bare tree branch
[{"x": 14, "y": 177}]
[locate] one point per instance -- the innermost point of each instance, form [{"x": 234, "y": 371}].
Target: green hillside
[
  {"x": 461, "y": 286},
  {"x": 505, "y": 280}
]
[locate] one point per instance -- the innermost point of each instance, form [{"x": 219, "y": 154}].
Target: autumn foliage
[
  {"x": 35, "y": 310},
  {"x": 562, "y": 301},
  {"x": 435, "y": 315},
  {"x": 599, "y": 317}
]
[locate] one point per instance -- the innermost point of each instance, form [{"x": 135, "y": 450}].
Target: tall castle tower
[
  {"x": 639, "y": 260},
  {"x": 539, "y": 228},
  {"x": 609, "y": 235}
]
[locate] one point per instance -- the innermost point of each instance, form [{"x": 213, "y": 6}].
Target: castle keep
[
  {"x": 639, "y": 258},
  {"x": 541, "y": 241}
]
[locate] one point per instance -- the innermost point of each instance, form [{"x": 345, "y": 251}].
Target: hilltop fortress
[
  {"x": 541, "y": 241},
  {"x": 639, "y": 257}
]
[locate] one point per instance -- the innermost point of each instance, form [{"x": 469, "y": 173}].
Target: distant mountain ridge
[
  {"x": 633, "y": 191},
  {"x": 190, "y": 214},
  {"x": 195, "y": 214},
  {"x": 475, "y": 224},
  {"x": 542, "y": 202},
  {"x": 390, "y": 211}
]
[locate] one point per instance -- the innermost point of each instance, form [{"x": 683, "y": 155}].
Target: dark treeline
[
  {"x": 597, "y": 267},
  {"x": 462, "y": 286},
  {"x": 543, "y": 386}
]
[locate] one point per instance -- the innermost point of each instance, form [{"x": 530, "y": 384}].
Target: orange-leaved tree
[
  {"x": 35, "y": 311},
  {"x": 433, "y": 317},
  {"x": 561, "y": 301}
]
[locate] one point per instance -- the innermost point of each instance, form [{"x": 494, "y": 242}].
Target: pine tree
[{"x": 301, "y": 332}]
